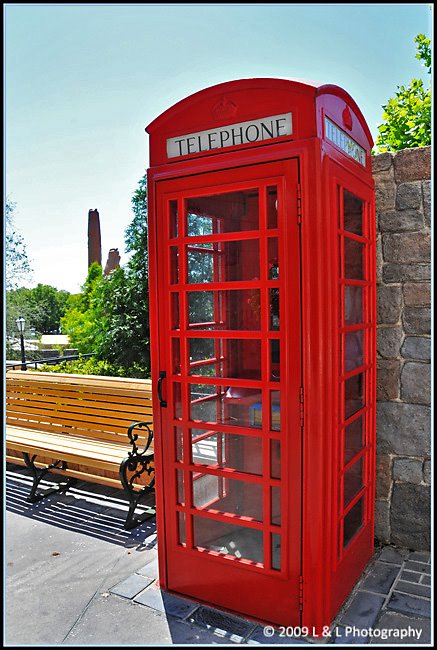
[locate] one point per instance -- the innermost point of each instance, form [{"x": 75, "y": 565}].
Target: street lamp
[{"x": 21, "y": 323}]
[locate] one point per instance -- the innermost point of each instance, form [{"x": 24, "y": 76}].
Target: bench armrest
[{"x": 133, "y": 437}]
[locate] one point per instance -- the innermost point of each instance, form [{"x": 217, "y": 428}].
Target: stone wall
[{"x": 403, "y": 206}]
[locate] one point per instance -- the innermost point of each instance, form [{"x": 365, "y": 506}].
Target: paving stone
[
  {"x": 420, "y": 556},
  {"x": 232, "y": 627},
  {"x": 258, "y": 637},
  {"x": 380, "y": 578},
  {"x": 413, "y": 588},
  {"x": 426, "y": 579},
  {"x": 411, "y": 576},
  {"x": 397, "y": 622},
  {"x": 164, "y": 602},
  {"x": 363, "y": 610},
  {"x": 345, "y": 636},
  {"x": 420, "y": 567},
  {"x": 391, "y": 555},
  {"x": 150, "y": 569},
  {"x": 132, "y": 586},
  {"x": 409, "y": 604}
]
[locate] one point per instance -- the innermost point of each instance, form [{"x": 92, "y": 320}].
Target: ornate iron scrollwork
[
  {"x": 136, "y": 464},
  {"x": 38, "y": 474}
]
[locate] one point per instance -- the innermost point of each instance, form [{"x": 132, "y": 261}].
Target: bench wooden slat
[
  {"x": 82, "y": 475},
  {"x": 60, "y": 428},
  {"x": 54, "y": 395},
  {"x": 85, "y": 380},
  {"x": 86, "y": 400},
  {"x": 98, "y": 415},
  {"x": 67, "y": 441}
]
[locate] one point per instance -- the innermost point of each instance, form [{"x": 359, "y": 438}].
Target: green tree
[
  {"x": 81, "y": 322},
  {"x": 17, "y": 263},
  {"x": 407, "y": 116}
]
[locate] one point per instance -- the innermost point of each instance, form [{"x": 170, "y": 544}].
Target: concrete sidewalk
[{"x": 75, "y": 576}]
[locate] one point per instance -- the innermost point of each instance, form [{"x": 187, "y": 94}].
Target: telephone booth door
[{"x": 228, "y": 261}]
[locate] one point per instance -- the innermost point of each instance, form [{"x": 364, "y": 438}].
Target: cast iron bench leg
[
  {"x": 38, "y": 474},
  {"x": 136, "y": 464}
]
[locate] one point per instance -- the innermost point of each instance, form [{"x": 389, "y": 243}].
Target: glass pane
[
  {"x": 174, "y": 265},
  {"x": 353, "y": 395},
  {"x": 238, "y": 309},
  {"x": 352, "y": 522},
  {"x": 227, "y": 450},
  {"x": 274, "y": 309},
  {"x": 275, "y": 459},
  {"x": 353, "y": 305},
  {"x": 180, "y": 486},
  {"x": 353, "y": 439},
  {"x": 176, "y": 356},
  {"x": 276, "y": 551},
  {"x": 272, "y": 207},
  {"x": 236, "y": 358},
  {"x": 353, "y": 213},
  {"x": 275, "y": 411},
  {"x": 223, "y": 405},
  {"x": 273, "y": 258},
  {"x": 179, "y": 444},
  {"x": 201, "y": 267},
  {"x": 228, "y": 539},
  {"x": 227, "y": 495},
  {"x": 275, "y": 505},
  {"x": 275, "y": 360},
  {"x": 207, "y": 490},
  {"x": 224, "y": 261},
  {"x": 202, "y": 349},
  {"x": 181, "y": 528},
  {"x": 173, "y": 219},
  {"x": 352, "y": 481},
  {"x": 174, "y": 306},
  {"x": 353, "y": 350},
  {"x": 177, "y": 401},
  {"x": 353, "y": 259},
  {"x": 230, "y": 212}
]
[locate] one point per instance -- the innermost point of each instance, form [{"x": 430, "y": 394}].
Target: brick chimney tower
[
  {"x": 94, "y": 239},
  {"x": 113, "y": 261}
]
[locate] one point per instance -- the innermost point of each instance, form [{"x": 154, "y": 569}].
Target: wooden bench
[{"x": 83, "y": 427}]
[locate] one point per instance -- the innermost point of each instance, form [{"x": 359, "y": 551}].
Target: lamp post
[{"x": 21, "y": 323}]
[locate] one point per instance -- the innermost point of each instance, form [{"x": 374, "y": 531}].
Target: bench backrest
[{"x": 85, "y": 405}]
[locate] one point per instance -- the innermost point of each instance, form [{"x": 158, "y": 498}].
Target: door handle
[{"x": 162, "y": 375}]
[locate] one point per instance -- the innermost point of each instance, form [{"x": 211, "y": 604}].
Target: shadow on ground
[{"x": 93, "y": 510}]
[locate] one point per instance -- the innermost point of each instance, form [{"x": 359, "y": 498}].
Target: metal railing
[{"x": 50, "y": 361}]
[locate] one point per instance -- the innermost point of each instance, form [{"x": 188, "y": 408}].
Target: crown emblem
[
  {"x": 224, "y": 108},
  {"x": 346, "y": 116}
]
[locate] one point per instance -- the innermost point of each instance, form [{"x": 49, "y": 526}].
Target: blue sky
[{"x": 83, "y": 81}]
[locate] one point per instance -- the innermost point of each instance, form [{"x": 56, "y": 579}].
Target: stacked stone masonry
[{"x": 403, "y": 212}]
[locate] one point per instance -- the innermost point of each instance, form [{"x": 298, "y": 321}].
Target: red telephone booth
[{"x": 262, "y": 303}]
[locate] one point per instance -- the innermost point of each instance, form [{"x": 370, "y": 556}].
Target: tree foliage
[
  {"x": 407, "y": 116},
  {"x": 42, "y": 307},
  {"x": 17, "y": 263}
]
